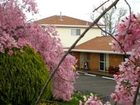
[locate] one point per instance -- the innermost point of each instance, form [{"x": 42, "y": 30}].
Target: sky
[{"x": 81, "y": 9}]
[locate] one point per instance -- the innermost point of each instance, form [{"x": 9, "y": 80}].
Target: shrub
[
  {"x": 22, "y": 75},
  {"x": 113, "y": 70}
]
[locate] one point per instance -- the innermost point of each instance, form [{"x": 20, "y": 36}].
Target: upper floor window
[{"x": 75, "y": 31}]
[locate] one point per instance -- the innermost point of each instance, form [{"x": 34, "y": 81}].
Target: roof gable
[{"x": 62, "y": 20}]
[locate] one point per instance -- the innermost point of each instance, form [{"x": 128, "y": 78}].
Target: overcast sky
[{"x": 76, "y": 8}]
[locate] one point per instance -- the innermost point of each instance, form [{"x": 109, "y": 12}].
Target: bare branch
[
  {"x": 115, "y": 103},
  {"x": 100, "y": 6},
  {"x": 113, "y": 38},
  {"x": 136, "y": 95},
  {"x": 130, "y": 12},
  {"x": 125, "y": 53},
  {"x": 74, "y": 44},
  {"x": 64, "y": 78}
]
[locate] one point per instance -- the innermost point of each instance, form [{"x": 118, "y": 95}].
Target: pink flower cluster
[
  {"x": 65, "y": 78},
  {"x": 129, "y": 76},
  {"x": 12, "y": 22},
  {"x": 127, "y": 82},
  {"x": 16, "y": 32},
  {"x": 7, "y": 42},
  {"x": 92, "y": 100},
  {"x": 128, "y": 34},
  {"x": 49, "y": 46}
]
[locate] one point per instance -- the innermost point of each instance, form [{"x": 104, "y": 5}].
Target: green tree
[{"x": 22, "y": 76}]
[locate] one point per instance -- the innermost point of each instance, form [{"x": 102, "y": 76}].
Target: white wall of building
[{"x": 67, "y": 39}]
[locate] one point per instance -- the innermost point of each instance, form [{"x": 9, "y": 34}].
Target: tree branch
[
  {"x": 113, "y": 38},
  {"x": 115, "y": 103},
  {"x": 136, "y": 95},
  {"x": 125, "y": 53},
  {"x": 74, "y": 44},
  {"x": 100, "y": 6},
  {"x": 130, "y": 12}
]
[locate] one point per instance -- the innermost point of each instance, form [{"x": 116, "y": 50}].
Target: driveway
[
  {"x": 100, "y": 85},
  {"x": 95, "y": 84}
]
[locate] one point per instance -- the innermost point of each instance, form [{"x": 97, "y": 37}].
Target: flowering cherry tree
[
  {"x": 48, "y": 45},
  {"x": 15, "y": 31},
  {"x": 128, "y": 80}
]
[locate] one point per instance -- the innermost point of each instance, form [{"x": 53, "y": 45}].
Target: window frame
[{"x": 75, "y": 31}]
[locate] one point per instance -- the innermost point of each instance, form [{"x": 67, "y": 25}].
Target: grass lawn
[{"x": 75, "y": 100}]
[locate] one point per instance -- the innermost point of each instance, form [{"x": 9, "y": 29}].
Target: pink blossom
[
  {"x": 92, "y": 100},
  {"x": 7, "y": 42},
  {"x": 48, "y": 45},
  {"x": 16, "y": 32},
  {"x": 10, "y": 52},
  {"x": 129, "y": 75},
  {"x": 129, "y": 38}
]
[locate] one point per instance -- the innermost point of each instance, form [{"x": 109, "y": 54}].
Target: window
[
  {"x": 102, "y": 62},
  {"x": 75, "y": 31}
]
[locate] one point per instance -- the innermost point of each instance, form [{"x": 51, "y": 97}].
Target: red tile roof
[
  {"x": 98, "y": 44},
  {"x": 62, "y": 20}
]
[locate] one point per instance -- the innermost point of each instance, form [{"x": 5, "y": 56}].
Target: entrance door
[
  {"x": 84, "y": 57},
  {"x": 102, "y": 62}
]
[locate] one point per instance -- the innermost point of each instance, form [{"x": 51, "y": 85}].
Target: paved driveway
[{"x": 95, "y": 84}]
